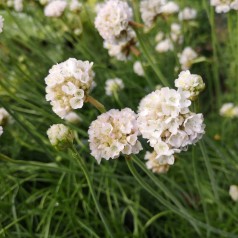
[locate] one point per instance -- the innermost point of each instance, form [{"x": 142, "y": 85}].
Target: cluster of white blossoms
[
  {"x": 114, "y": 133},
  {"x": 113, "y": 86},
  {"x": 223, "y": 6},
  {"x": 187, "y": 58},
  {"x": 1, "y": 23},
  {"x": 4, "y": 117},
  {"x": 192, "y": 83},
  {"x": 151, "y": 9},
  {"x": 187, "y": 14},
  {"x": 68, "y": 84},
  {"x": 55, "y": 8},
  {"x": 165, "y": 120},
  {"x": 166, "y": 43},
  {"x": 60, "y": 136},
  {"x": 113, "y": 19},
  {"x": 233, "y": 192},
  {"x": 154, "y": 164},
  {"x": 229, "y": 110},
  {"x": 113, "y": 24},
  {"x": 75, "y": 6},
  {"x": 16, "y": 4},
  {"x": 73, "y": 118},
  {"x": 138, "y": 68}
]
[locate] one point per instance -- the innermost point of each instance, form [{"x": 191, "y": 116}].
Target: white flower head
[
  {"x": 187, "y": 57},
  {"x": 233, "y": 192},
  {"x": 4, "y": 117},
  {"x": 169, "y": 8},
  {"x": 73, "y": 118},
  {"x": 18, "y": 5},
  {"x": 113, "y": 19},
  {"x": 176, "y": 33},
  {"x": 75, "y": 6},
  {"x": 229, "y": 110},
  {"x": 113, "y": 133},
  {"x": 68, "y": 84},
  {"x": 1, "y": 23},
  {"x": 192, "y": 83},
  {"x": 164, "y": 46},
  {"x": 55, "y": 8},
  {"x": 221, "y": 6},
  {"x": 234, "y": 5},
  {"x": 165, "y": 120},
  {"x": 113, "y": 86},
  {"x": 187, "y": 14},
  {"x": 153, "y": 164},
  {"x": 1, "y": 130},
  {"x": 60, "y": 136},
  {"x": 138, "y": 68}
]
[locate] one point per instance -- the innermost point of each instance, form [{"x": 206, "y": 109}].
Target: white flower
[
  {"x": 187, "y": 57},
  {"x": 138, "y": 69},
  {"x": 73, "y": 118},
  {"x": 18, "y": 5},
  {"x": 176, "y": 33},
  {"x": 121, "y": 50},
  {"x": 221, "y": 6},
  {"x": 113, "y": 133},
  {"x": 1, "y": 130},
  {"x": 55, "y": 8},
  {"x": 233, "y": 191},
  {"x": 229, "y": 110},
  {"x": 4, "y": 117},
  {"x": 164, "y": 46},
  {"x": 1, "y": 23},
  {"x": 165, "y": 120},
  {"x": 60, "y": 136},
  {"x": 154, "y": 164},
  {"x": 187, "y": 14},
  {"x": 150, "y": 9},
  {"x": 68, "y": 84},
  {"x": 75, "y": 6},
  {"x": 113, "y": 86},
  {"x": 169, "y": 8},
  {"x": 192, "y": 83},
  {"x": 160, "y": 36},
  {"x": 112, "y": 20},
  {"x": 234, "y": 5}
]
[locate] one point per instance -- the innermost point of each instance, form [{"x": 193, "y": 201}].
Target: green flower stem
[
  {"x": 95, "y": 103},
  {"x": 87, "y": 176}
]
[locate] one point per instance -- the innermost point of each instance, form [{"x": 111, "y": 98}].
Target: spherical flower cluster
[
  {"x": 164, "y": 46},
  {"x": 192, "y": 83},
  {"x": 229, "y": 110},
  {"x": 153, "y": 164},
  {"x": 138, "y": 68},
  {"x": 55, "y": 8},
  {"x": 1, "y": 23},
  {"x": 75, "y": 6},
  {"x": 4, "y": 117},
  {"x": 233, "y": 192},
  {"x": 150, "y": 9},
  {"x": 68, "y": 84},
  {"x": 187, "y": 57},
  {"x": 113, "y": 86},
  {"x": 176, "y": 33},
  {"x": 113, "y": 133},
  {"x": 18, "y": 5},
  {"x": 187, "y": 14},
  {"x": 165, "y": 120},
  {"x": 73, "y": 118},
  {"x": 113, "y": 19},
  {"x": 60, "y": 136},
  {"x": 121, "y": 50},
  {"x": 224, "y": 6}
]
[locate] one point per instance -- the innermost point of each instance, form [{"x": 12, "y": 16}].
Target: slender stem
[
  {"x": 95, "y": 103},
  {"x": 136, "y": 24},
  {"x": 135, "y": 51},
  {"x": 86, "y": 174}
]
